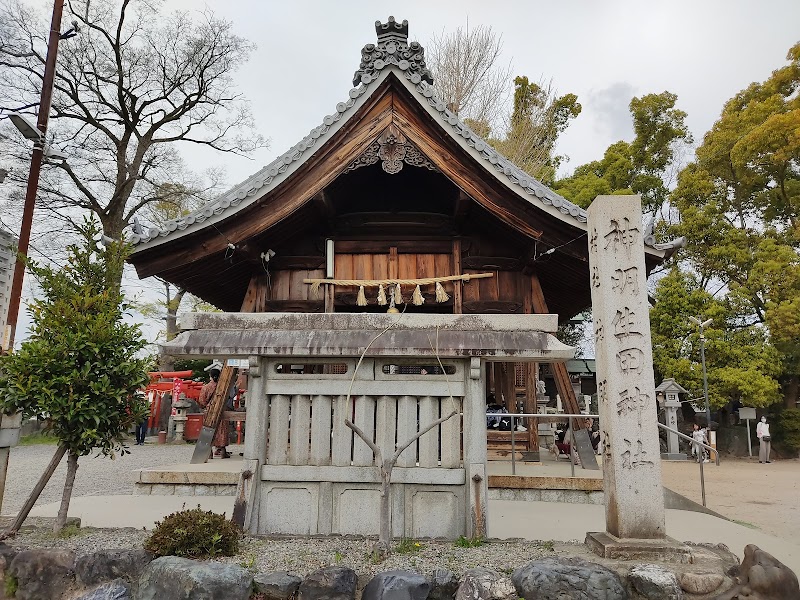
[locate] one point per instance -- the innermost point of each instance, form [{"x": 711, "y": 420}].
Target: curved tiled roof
[{"x": 391, "y": 54}]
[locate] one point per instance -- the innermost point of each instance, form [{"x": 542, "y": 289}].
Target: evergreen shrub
[{"x": 194, "y": 533}]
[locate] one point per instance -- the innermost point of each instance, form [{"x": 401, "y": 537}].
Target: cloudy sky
[{"x": 605, "y": 51}]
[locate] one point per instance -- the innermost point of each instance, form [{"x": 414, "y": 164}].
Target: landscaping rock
[
  {"x": 397, "y": 585},
  {"x": 331, "y": 583},
  {"x": 183, "y": 579},
  {"x": 701, "y": 583},
  {"x": 105, "y": 565},
  {"x": 485, "y": 584},
  {"x": 276, "y": 585},
  {"x": 7, "y": 554},
  {"x": 572, "y": 578},
  {"x": 762, "y": 577},
  {"x": 43, "y": 574},
  {"x": 444, "y": 585},
  {"x": 655, "y": 583},
  {"x": 111, "y": 590}
]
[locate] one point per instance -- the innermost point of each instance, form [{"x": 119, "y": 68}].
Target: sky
[{"x": 605, "y": 52}]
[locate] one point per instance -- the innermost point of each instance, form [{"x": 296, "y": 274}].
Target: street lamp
[{"x": 702, "y": 325}]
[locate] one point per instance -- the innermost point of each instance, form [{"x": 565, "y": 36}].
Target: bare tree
[
  {"x": 131, "y": 85},
  {"x": 467, "y": 72}
]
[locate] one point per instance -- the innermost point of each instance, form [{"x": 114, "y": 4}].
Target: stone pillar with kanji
[{"x": 634, "y": 496}]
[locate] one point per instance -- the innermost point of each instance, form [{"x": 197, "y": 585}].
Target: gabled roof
[{"x": 392, "y": 55}]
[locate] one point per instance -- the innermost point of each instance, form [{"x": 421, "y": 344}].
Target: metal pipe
[
  {"x": 513, "y": 448},
  {"x": 702, "y": 474},
  {"x": 33, "y": 175},
  {"x": 571, "y": 448}
]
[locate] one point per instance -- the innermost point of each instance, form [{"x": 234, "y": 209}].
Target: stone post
[
  {"x": 475, "y": 450},
  {"x": 255, "y": 442},
  {"x": 634, "y": 497}
]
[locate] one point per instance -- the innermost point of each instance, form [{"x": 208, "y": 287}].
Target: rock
[
  {"x": 762, "y": 577},
  {"x": 105, "y": 565},
  {"x": 277, "y": 585},
  {"x": 572, "y": 578},
  {"x": 7, "y": 554},
  {"x": 444, "y": 585},
  {"x": 484, "y": 584},
  {"x": 701, "y": 583},
  {"x": 331, "y": 583},
  {"x": 183, "y": 579},
  {"x": 655, "y": 583},
  {"x": 397, "y": 585},
  {"x": 43, "y": 573},
  {"x": 111, "y": 590}
]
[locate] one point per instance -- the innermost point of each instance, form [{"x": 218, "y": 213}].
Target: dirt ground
[{"x": 765, "y": 496}]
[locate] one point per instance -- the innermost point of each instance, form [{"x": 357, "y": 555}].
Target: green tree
[
  {"x": 643, "y": 166},
  {"x": 741, "y": 363},
  {"x": 538, "y": 118},
  {"x": 79, "y": 369},
  {"x": 740, "y": 202}
]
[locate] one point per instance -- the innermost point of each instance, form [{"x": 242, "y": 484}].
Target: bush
[
  {"x": 194, "y": 533},
  {"x": 788, "y": 429}
]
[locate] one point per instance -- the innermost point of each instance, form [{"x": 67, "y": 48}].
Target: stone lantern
[
  {"x": 180, "y": 418},
  {"x": 667, "y": 394}
]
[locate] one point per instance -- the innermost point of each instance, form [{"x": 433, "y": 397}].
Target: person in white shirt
[
  {"x": 762, "y": 431},
  {"x": 699, "y": 435}
]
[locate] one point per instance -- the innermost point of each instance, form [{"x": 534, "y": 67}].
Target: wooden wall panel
[
  {"x": 280, "y": 285},
  {"x": 407, "y": 266},
  {"x": 380, "y": 266},
  {"x": 471, "y": 292}
]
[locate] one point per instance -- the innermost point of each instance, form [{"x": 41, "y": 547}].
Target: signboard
[
  {"x": 238, "y": 363},
  {"x": 747, "y": 413}
]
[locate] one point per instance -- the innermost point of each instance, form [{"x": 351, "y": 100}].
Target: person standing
[
  {"x": 699, "y": 436},
  {"x": 765, "y": 441},
  {"x": 222, "y": 433}
]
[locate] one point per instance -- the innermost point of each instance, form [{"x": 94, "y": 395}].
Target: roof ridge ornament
[{"x": 392, "y": 49}]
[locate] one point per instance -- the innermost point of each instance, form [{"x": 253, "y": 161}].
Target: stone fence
[{"x": 135, "y": 575}]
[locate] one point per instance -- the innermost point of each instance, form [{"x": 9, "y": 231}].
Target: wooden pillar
[
  {"x": 394, "y": 264},
  {"x": 255, "y": 299},
  {"x": 509, "y": 387},
  {"x": 530, "y": 405},
  {"x": 457, "y": 285},
  {"x": 498, "y": 377},
  {"x": 563, "y": 384}
]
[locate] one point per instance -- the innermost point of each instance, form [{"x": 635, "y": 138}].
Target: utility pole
[
  {"x": 30, "y": 202},
  {"x": 702, "y": 325},
  {"x": 33, "y": 178}
]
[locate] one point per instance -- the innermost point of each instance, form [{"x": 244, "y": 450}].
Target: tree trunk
[
  {"x": 37, "y": 491},
  {"x": 385, "y": 537},
  {"x": 72, "y": 468},
  {"x": 791, "y": 395}
]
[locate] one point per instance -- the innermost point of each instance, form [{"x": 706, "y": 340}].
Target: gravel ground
[
  {"x": 101, "y": 476},
  {"x": 96, "y": 475},
  {"x": 303, "y": 556}
]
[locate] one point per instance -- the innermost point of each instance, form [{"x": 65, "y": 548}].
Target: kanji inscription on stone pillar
[{"x": 634, "y": 497}]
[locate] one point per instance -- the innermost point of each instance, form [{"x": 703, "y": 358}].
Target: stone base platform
[
  {"x": 677, "y": 456},
  {"x": 661, "y": 550},
  {"x": 217, "y": 477}
]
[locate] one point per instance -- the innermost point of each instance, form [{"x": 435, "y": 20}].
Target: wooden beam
[
  {"x": 560, "y": 374},
  {"x": 531, "y": 374},
  {"x": 458, "y": 290},
  {"x": 490, "y": 263},
  {"x": 490, "y": 307},
  {"x": 404, "y": 246}
]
